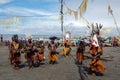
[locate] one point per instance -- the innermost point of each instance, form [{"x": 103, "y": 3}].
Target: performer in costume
[
  {"x": 16, "y": 52},
  {"x": 10, "y": 47},
  {"x": 30, "y": 55},
  {"x": 96, "y": 66},
  {"x": 67, "y": 42},
  {"x": 66, "y": 50},
  {"x": 40, "y": 49},
  {"x": 53, "y": 53},
  {"x": 80, "y": 53},
  {"x": 92, "y": 50}
]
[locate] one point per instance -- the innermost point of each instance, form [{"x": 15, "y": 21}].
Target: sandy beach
[{"x": 66, "y": 69}]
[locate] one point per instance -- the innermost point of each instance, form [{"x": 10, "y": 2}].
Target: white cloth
[{"x": 95, "y": 41}]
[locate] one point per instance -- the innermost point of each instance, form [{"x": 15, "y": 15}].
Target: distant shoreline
[{"x": 7, "y": 37}]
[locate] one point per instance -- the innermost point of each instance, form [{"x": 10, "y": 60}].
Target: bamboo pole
[
  {"x": 115, "y": 23},
  {"x": 62, "y": 17}
]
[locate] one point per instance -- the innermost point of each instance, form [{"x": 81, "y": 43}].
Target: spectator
[{"x": 1, "y": 38}]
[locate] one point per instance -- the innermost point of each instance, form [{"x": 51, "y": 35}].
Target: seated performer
[{"x": 53, "y": 53}]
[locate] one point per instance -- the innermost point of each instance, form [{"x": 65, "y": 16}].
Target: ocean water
[{"x": 8, "y": 37}]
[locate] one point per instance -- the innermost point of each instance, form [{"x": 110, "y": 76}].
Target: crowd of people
[{"x": 34, "y": 53}]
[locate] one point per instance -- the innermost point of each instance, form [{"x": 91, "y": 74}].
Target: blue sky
[{"x": 48, "y": 21}]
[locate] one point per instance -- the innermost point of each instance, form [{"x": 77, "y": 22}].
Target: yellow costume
[
  {"x": 65, "y": 51},
  {"x": 11, "y": 56},
  {"x": 96, "y": 65},
  {"x": 16, "y": 54},
  {"x": 53, "y": 53},
  {"x": 53, "y": 57}
]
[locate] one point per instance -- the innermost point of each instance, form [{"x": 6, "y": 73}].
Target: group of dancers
[
  {"x": 33, "y": 52},
  {"x": 35, "y": 55}
]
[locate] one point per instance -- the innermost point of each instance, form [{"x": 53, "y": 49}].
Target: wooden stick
[{"x": 103, "y": 58}]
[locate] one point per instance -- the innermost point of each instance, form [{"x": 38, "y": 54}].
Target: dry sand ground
[{"x": 64, "y": 70}]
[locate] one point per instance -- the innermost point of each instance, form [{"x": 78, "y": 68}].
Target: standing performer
[
  {"x": 16, "y": 52},
  {"x": 53, "y": 53},
  {"x": 10, "y": 47},
  {"x": 80, "y": 53},
  {"x": 67, "y": 42},
  {"x": 1, "y": 37},
  {"x": 92, "y": 50},
  {"x": 66, "y": 50},
  {"x": 30, "y": 56},
  {"x": 96, "y": 65},
  {"x": 40, "y": 49}
]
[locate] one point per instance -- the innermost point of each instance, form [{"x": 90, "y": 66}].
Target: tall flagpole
[
  {"x": 61, "y": 13},
  {"x": 111, "y": 12},
  {"x": 115, "y": 23}
]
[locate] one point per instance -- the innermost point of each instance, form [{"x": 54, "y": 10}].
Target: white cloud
[
  {"x": 96, "y": 12},
  {"x": 5, "y": 1},
  {"x": 20, "y": 11},
  {"x": 47, "y": 0},
  {"x": 73, "y": 4}
]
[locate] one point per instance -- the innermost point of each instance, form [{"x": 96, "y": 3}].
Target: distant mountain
[{"x": 75, "y": 31}]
